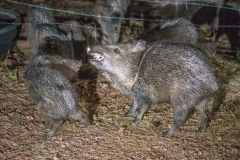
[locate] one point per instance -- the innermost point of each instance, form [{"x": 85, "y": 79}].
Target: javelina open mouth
[{"x": 94, "y": 56}]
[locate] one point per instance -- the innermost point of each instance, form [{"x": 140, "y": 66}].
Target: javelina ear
[
  {"x": 51, "y": 42},
  {"x": 138, "y": 46},
  {"x": 70, "y": 35}
]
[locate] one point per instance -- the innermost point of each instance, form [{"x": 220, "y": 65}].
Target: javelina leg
[
  {"x": 140, "y": 112},
  {"x": 80, "y": 115},
  {"x": 132, "y": 109},
  {"x": 180, "y": 114},
  {"x": 54, "y": 127},
  {"x": 47, "y": 121},
  {"x": 202, "y": 110},
  {"x": 141, "y": 109}
]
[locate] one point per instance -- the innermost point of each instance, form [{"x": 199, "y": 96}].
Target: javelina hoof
[
  {"x": 83, "y": 117},
  {"x": 201, "y": 129},
  {"x": 136, "y": 122},
  {"x": 45, "y": 137},
  {"x": 87, "y": 124},
  {"x": 128, "y": 114},
  {"x": 48, "y": 136},
  {"x": 167, "y": 134},
  {"x": 132, "y": 109}
]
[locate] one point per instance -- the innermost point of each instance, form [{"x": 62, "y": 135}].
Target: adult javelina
[
  {"x": 53, "y": 93},
  {"x": 178, "y": 74},
  {"x": 110, "y": 14},
  {"x": 43, "y": 35},
  {"x": 178, "y": 30}
]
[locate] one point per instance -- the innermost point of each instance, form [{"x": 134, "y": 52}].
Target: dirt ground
[{"x": 112, "y": 136}]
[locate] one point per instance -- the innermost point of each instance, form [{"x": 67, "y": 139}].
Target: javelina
[
  {"x": 53, "y": 94},
  {"x": 110, "y": 14},
  {"x": 199, "y": 12},
  {"x": 178, "y": 30},
  {"x": 229, "y": 15},
  {"x": 43, "y": 35},
  {"x": 178, "y": 74},
  {"x": 74, "y": 27},
  {"x": 79, "y": 37}
]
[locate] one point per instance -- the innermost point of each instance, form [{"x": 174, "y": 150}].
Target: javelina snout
[
  {"x": 178, "y": 74},
  {"x": 52, "y": 92}
]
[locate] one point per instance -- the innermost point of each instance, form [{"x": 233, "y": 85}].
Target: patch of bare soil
[{"x": 112, "y": 136}]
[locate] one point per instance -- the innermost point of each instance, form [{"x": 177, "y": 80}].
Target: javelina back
[
  {"x": 53, "y": 94},
  {"x": 178, "y": 30},
  {"x": 68, "y": 67},
  {"x": 43, "y": 35},
  {"x": 178, "y": 74},
  {"x": 197, "y": 11}
]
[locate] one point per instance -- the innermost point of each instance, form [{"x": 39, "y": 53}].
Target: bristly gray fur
[
  {"x": 178, "y": 74},
  {"x": 52, "y": 93},
  {"x": 178, "y": 30}
]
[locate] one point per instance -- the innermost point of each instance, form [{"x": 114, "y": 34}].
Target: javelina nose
[{"x": 88, "y": 49}]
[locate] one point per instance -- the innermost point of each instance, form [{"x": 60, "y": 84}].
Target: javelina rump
[
  {"x": 53, "y": 93},
  {"x": 43, "y": 35},
  {"x": 178, "y": 74},
  {"x": 178, "y": 30},
  {"x": 196, "y": 11}
]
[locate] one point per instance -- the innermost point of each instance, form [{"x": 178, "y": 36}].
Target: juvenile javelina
[
  {"x": 43, "y": 35},
  {"x": 53, "y": 93},
  {"x": 179, "y": 30},
  {"x": 178, "y": 74}
]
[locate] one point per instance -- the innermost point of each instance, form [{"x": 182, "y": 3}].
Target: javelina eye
[{"x": 116, "y": 50}]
